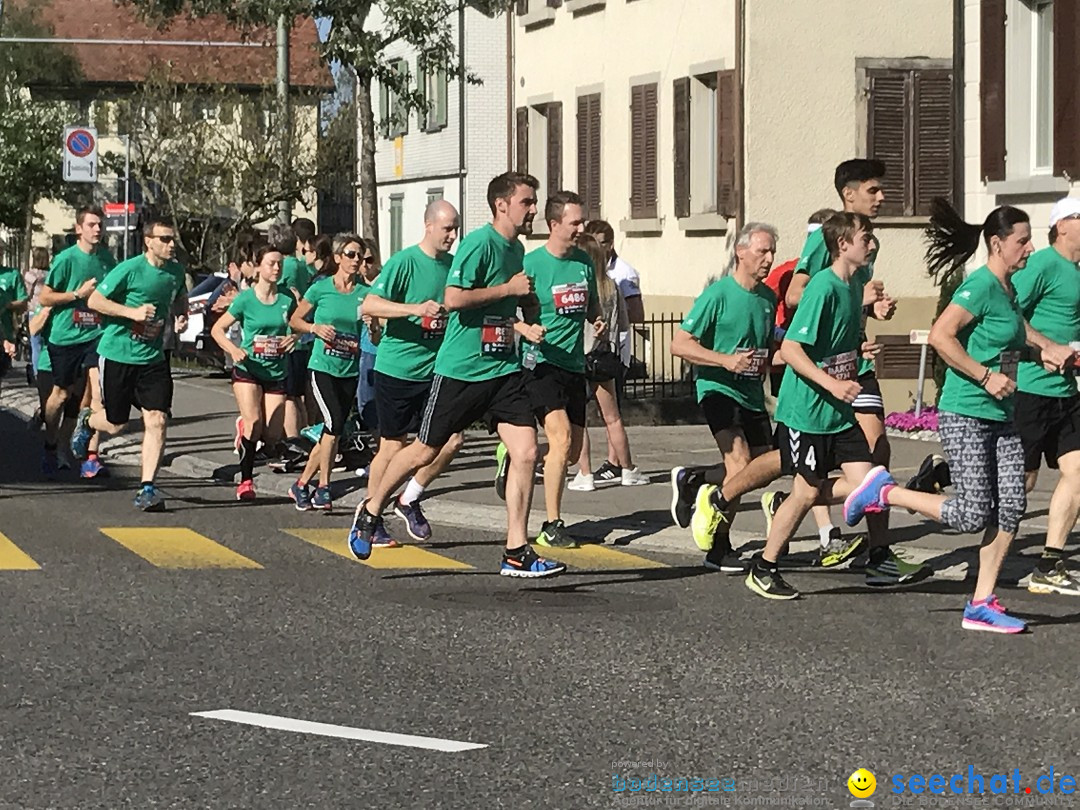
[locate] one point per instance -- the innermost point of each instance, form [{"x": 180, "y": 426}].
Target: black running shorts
[
  {"x": 268, "y": 386},
  {"x": 555, "y": 389},
  {"x": 1048, "y": 426},
  {"x": 869, "y": 399},
  {"x": 149, "y": 388},
  {"x": 724, "y": 413},
  {"x": 296, "y": 371},
  {"x": 815, "y": 455},
  {"x": 69, "y": 363},
  {"x": 456, "y": 404},
  {"x": 399, "y": 404}
]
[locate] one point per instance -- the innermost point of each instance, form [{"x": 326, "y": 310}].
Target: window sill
[
  {"x": 704, "y": 223},
  {"x": 576, "y": 7},
  {"x": 901, "y": 222},
  {"x": 540, "y": 16},
  {"x": 642, "y": 226},
  {"x": 1036, "y": 184}
]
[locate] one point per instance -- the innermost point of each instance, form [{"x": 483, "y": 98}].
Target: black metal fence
[{"x": 654, "y": 373}]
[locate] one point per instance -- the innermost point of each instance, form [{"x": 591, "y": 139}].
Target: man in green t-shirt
[
  {"x": 553, "y": 354},
  {"x": 75, "y": 329},
  {"x": 728, "y": 337},
  {"x": 478, "y": 374},
  {"x": 136, "y": 298},
  {"x": 13, "y": 302},
  {"x": 408, "y": 297},
  {"x": 1047, "y": 405}
]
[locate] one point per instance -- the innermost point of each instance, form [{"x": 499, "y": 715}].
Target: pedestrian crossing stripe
[
  {"x": 595, "y": 555},
  {"x": 178, "y": 548},
  {"x": 13, "y": 558},
  {"x": 404, "y": 557}
]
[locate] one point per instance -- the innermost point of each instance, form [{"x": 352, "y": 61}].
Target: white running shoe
[
  {"x": 582, "y": 483},
  {"x": 634, "y": 478}
]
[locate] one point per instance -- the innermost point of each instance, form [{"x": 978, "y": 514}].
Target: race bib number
[
  {"x": 841, "y": 366},
  {"x": 497, "y": 336},
  {"x": 344, "y": 345},
  {"x": 759, "y": 361},
  {"x": 86, "y": 318},
  {"x": 433, "y": 326},
  {"x": 147, "y": 331},
  {"x": 266, "y": 347},
  {"x": 570, "y": 298},
  {"x": 1009, "y": 363}
]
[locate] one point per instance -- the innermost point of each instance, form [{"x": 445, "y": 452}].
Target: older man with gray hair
[{"x": 728, "y": 336}]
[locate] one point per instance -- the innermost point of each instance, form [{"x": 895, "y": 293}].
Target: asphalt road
[{"x": 118, "y": 637}]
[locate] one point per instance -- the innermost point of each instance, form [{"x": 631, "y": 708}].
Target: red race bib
[
  {"x": 758, "y": 363},
  {"x": 433, "y": 326},
  {"x": 85, "y": 318},
  {"x": 147, "y": 331},
  {"x": 266, "y": 347},
  {"x": 344, "y": 345},
  {"x": 841, "y": 366},
  {"x": 570, "y": 298},
  {"x": 497, "y": 335}
]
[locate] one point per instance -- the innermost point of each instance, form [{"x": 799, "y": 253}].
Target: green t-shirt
[
  {"x": 341, "y": 311},
  {"x": 295, "y": 275},
  {"x": 1048, "y": 294},
  {"x": 12, "y": 289},
  {"x": 262, "y": 327},
  {"x": 995, "y": 337},
  {"x": 409, "y": 345},
  {"x": 725, "y": 318},
  {"x": 479, "y": 343},
  {"x": 75, "y": 322},
  {"x": 564, "y": 287},
  {"x": 815, "y": 258},
  {"x": 133, "y": 283},
  {"x": 44, "y": 359},
  {"x": 827, "y": 323}
]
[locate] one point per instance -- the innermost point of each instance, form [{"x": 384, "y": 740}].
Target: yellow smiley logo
[{"x": 862, "y": 784}]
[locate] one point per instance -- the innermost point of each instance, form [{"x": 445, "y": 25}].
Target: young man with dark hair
[
  {"x": 136, "y": 297},
  {"x": 478, "y": 374},
  {"x": 74, "y": 329}
]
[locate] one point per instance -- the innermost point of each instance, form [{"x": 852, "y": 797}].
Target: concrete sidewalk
[{"x": 200, "y": 446}]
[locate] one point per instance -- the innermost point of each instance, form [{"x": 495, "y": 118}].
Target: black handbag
[{"x": 601, "y": 364}]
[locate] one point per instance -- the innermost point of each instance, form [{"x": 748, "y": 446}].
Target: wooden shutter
[
  {"x": 1067, "y": 89},
  {"x": 726, "y": 122},
  {"x": 442, "y": 102},
  {"x": 681, "y": 109},
  {"x": 522, "y": 132},
  {"x": 424, "y": 115},
  {"x": 522, "y": 7},
  {"x": 588, "y": 153},
  {"x": 992, "y": 86},
  {"x": 932, "y": 128},
  {"x": 643, "y": 149},
  {"x": 887, "y": 136},
  {"x": 384, "y": 110},
  {"x": 554, "y": 147}
]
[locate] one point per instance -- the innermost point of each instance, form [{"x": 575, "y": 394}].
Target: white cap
[{"x": 1068, "y": 207}]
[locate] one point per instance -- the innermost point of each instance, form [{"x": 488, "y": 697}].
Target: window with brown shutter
[
  {"x": 643, "y": 148},
  {"x": 681, "y": 110},
  {"x": 992, "y": 88},
  {"x": 588, "y": 153},
  {"x": 726, "y": 114},
  {"x": 522, "y": 133},
  {"x": 1067, "y": 90},
  {"x": 554, "y": 146}
]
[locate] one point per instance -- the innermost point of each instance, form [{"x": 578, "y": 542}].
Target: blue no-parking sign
[{"x": 80, "y": 155}]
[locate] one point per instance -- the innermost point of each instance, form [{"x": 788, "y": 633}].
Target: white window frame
[
  {"x": 1024, "y": 120},
  {"x": 703, "y": 147}
]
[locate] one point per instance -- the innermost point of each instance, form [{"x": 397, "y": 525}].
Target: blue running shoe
[
  {"x": 80, "y": 437},
  {"x": 91, "y": 468},
  {"x": 526, "y": 563},
  {"x": 989, "y": 615},
  {"x": 49, "y": 464},
  {"x": 363, "y": 530},
  {"x": 301, "y": 495},
  {"x": 149, "y": 499},
  {"x": 866, "y": 497},
  {"x": 415, "y": 523},
  {"x": 321, "y": 500}
]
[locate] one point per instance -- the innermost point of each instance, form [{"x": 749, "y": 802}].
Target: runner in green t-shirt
[
  {"x": 477, "y": 374},
  {"x": 728, "y": 337},
  {"x": 553, "y": 351},
  {"x": 408, "y": 297},
  {"x": 137, "y": 297},
  {"x": 330, "y": 310},
  {"x": 258, "y": 372},
  {"x": 1047, "y": 410},
  {"x": 75, "y": 328}
]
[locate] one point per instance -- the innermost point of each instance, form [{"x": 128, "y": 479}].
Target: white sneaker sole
[{"x": 512, "y": 572}]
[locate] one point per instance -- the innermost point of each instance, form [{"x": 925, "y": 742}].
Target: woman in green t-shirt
[
  {"x": 259, "y": 362},
  {"x": 980, "y": 335}
]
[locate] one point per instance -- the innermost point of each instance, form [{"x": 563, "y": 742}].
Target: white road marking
[{"x": 330, "y": 730}]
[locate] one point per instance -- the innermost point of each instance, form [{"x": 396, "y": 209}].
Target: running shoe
[
  {"x": 768, "y": 583},
  {"x": 723, "y": 558},
  {"x": 553, "y": 534},
  {"x": 301, "y": 495},
  {"x": 866, "y": 497},
  {"x": 92, "y": 468},
  {"x": 932, "y": 476},
  {"x": 526, "y": 563},
  {"x": 893, "y": 570},
  {"x": 770, "y": 505},
  {"x": 415, "y": 523},
  {"x": 312, "y": 433},
  {"x": 362, "y": 532},
  {"x": 321, "y": 500},
  {"x": 49, "y": 464},
  {"x": 382, "y": 538},
  {"x": 633, "y": 478},
  {"x": 238, "y": 436},
  {"x": 989, "y": 615},
  {"x": 840, "y": 549},
  {"x": 246, "y": 491},
  {"x": 608, "y": 472},
  {"x": 682, "y": 497},
  {"x": 80, "y": 437},
  {"x": 1060, "y": 580},
  {"x": 149, "y": 499},
  {"x": 583, "y": 482},
  {"x": 502, "y": 467},
  {"x": 707, "y": 518}
]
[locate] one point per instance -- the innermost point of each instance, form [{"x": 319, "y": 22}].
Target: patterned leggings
[{"x": 987, "y": 464}]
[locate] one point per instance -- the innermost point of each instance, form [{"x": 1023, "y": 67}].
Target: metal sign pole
[{"x": 127, "y": 194}]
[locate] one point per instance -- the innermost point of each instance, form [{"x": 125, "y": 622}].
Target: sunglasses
[
  {"x": 350, "y": 254},
  {"x": 166, "y": 239}
]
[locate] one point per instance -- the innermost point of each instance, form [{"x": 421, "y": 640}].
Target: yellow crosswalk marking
[
  {"x": 594, "y": 555},
  {"x": 13, "y": 558},
  {"x": 334, "y": 541},
  {"x": 178, "y": 548}
]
